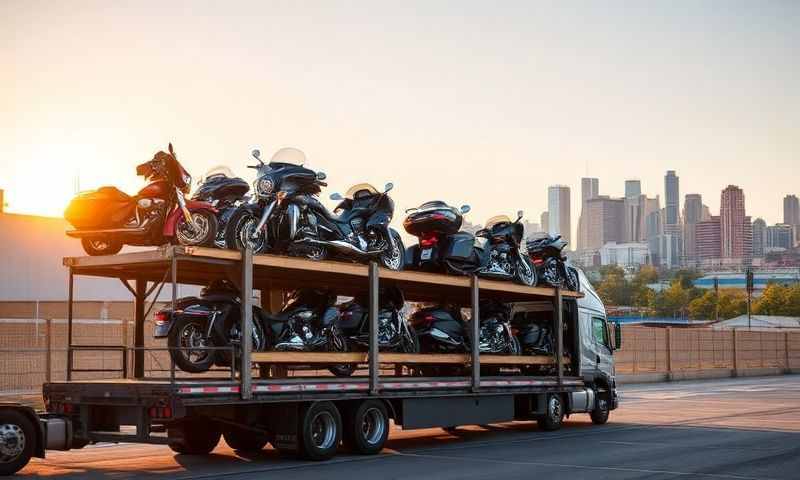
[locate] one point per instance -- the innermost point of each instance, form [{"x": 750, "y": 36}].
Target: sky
[{"x": 483, "y": 103}]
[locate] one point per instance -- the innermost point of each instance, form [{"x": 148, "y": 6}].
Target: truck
[{"x": 312, "y": 416}]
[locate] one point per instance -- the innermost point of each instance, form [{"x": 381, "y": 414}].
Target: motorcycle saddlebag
[
  {"x": 105, "y": 207},
  {"x": 433, "y": 217},
  {"x": 461, "y": 248}
]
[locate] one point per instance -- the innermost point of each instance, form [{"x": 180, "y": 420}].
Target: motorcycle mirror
[
  {"x": 257, "y": 154},
  {"x": 465, "y": 208},
  {"x": 388, "y": 187},
  {"x": 519, "y": 214},
  {"x": 411, "y": 210},
  {"x": 321, "y": 176},
  {"x": 336, "y": 196},
  {"x": 171, "y": 150}
]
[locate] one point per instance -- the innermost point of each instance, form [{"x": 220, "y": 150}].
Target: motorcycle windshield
[
  {"x": 361, "y": 190},
  {"x": 290, "y": 155},
  {"x": 497, "y": 219},
  {"x": 218, "y": 172}
]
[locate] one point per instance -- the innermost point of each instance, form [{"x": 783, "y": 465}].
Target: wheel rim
[
  {"x": 100, "y": 245},
  {"x": 323, "y": 430},
  {"x": 12, "y": 442},
  {"x": 525, "y": 273},
  {"x": 193, "y": 233},
  {"x": 373, "y": 426},
  {"x": 249, "y": 237},
  {"x": 315, "y": 253},
  {"x": 392, "y": 258},
  {"x": 551, "y": 275},
  {"x": 554, "y": 408},
  {"x": 191, "y": 336}
]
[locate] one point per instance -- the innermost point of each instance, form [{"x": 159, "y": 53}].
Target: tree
[
  {"x": 732, "y": 303},
  {"x": 613, "y": 288},
  {"x": 672, "y": 301},
  {"x": 703, "y": 307},
  {"x": 773, "y": 301}
]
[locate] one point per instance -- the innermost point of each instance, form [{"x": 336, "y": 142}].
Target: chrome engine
[{"x": 494, "y": 337}]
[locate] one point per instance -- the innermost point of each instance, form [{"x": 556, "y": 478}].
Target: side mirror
[
  {"x": 465, "y": 209},
  {"x": 617, "y": 335},
  {"x": 388, "y": 187},
  {"x": 257, "y": 154},
  {"x": 519, "y": 214},
  {"x": 336, "y": 196},
  {"x": 321, "y": 176}
]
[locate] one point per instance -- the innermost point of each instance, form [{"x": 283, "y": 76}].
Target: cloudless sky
[{"x": 485, "y": 103}]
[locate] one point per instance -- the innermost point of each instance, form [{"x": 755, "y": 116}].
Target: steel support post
[
  {"x": 70, "y": 300},
  {"x": 558, "y": 309},
  {"x": 246, "y": 376},
  {"x": 374, "y": 366},
  {"x": 138, "y": 328},
  {"x": 474, "y": 290}
]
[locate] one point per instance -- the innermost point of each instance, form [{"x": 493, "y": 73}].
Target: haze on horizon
[{"x": 468, "y": 102}]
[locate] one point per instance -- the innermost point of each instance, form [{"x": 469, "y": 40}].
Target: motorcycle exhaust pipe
[
  {"x": 339, "y": 245},
  {"x": 110, "y": 231}
]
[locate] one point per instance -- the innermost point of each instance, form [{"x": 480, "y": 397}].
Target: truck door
[{"x": 603, "y": 359}]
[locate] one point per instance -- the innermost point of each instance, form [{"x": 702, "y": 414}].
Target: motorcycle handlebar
[{"x": 252, "y": 166}]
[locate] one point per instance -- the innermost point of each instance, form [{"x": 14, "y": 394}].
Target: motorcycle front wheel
[
  {"x": 200, "y": 233},
  {"x": 526, "y": 273},
  {"x": 572, "y": 282},
  {"x": 393, "y": 257},
  {"x": 240, "y": 231},
  {"x": 101, "y": 246},
  {"x": 337, "y": 343},
  {"x": 189, "y": 333}
]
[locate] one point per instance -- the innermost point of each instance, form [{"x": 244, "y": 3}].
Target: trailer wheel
[
  {"x": 245, "y": 440},
  {"x": 554, "y": 413},
  {"x": 17, "y": 441},
  {"x": 195, "y": 436},
  {"x": 366, "y": 428},
  {"x": 320, "y": 431},
  {"x": 600, "y": 413}
]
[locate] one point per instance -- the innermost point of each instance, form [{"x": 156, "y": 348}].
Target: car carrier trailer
[{"x": 309, "y": 416}]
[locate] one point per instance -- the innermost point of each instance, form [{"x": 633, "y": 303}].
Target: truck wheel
[
  {"x": 195, "y": 436},
  {"x": 600, "y": 413},
  {"x": 245, "y": 440},
  {"x": 367, "y": 427},
  {"x": 17, "y": 441},
  {"x": 320, "y": 431},
  {"x": 554, "y": 413}
]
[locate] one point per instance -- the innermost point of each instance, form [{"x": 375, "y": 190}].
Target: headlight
[
  {"x": 264, "y": 186},
  {"x": 305, "y": 314},
  {"x": 187, "y": 179}
]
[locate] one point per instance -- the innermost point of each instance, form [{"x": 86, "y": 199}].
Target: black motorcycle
[
  {"x": 493, "y": 252},
  {"x": 394, "y": 333},
  {"x": 226, "y": 192},
  {"x": 547, "y": 257},
  {"x": 288, "y": 217},
  {"x": 534, "y": 331},
  {"x": 199, "y": 324},
  {"x": 308, "y": 322}
]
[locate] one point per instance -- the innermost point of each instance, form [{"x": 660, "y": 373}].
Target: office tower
[
  {"x": 779, "y": 237},
  {"x": 707, "y": 239},
  {"x": 544, "y": 221},
  {"x": 558, "y": 208},
  {"x": 604, "y": 221},
  {"x": 633, "y": 188},
  {"x": 736, "y": 230},
  {"x": 671, "y": 198},
  {"x": 590, "y": 188},
  {"x": 759, "y": 237},
  {"x": 692, "y": 214},
  {"x": 636, "y": 211},
  {"x": 653, "y": 232},
  {"x": 791, "y": 215}
]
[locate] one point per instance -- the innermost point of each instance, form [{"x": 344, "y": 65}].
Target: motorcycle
[
  {"x": 107, "y": 218},
  {"x": 394, "y": 333},
  {"x": 545, "y": 253},
  {"x": 535, "y": 334},
  {"x": 199, "y": 324},
  {"x": 288, "y": 218},
  {"x": 308, "y": 322},
  {"x": 224, "y": 191},
  {"x": 493, "y": 252}
]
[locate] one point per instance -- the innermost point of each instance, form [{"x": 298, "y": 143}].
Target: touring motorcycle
[
  {"x": 545, "y": 253},
  {"x": 493, "y": 252},
  {"x": 394, "y": 333},
  {"x": 225, "y": 192},
  {"x": 287, "y": 217},
  {"x": 107, "y": 218},
  {"x": 199, "y": 325}
]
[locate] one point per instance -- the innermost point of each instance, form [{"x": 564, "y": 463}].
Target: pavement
[{"x": 713, "y": 429}]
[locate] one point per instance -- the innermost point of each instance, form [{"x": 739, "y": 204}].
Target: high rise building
[
  {"x": 692, "y": 214},
  {"x": 779, "y": 237},
  {"x": 544, "y": 221},
  {"x": 759, "y": 237},
  {"x": 637, "y": 209},
  {"x": 604, "y": 221},
  {"x": 671, "y": 198},
  {"x": 590, "y": 188},
  {"x": 653, "y": 233},
  {"x": 736, "y": 230},
  {"x": 558, "y": 207},
  {"x": 633, "y": 188},
  {"x": 708, "y": 243},
  {"x": 791, "y": 215}
]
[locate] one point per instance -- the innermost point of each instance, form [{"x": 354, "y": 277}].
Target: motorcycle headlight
[
  {"x": 264, "y": 186},
  {"x": 187, "y": 179},
  {"x": 305, "y": 315}
]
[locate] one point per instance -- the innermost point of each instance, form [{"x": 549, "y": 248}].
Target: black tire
[
  {"x": 366, "y": 427},
  {"x": 188, "y": 326},
  {"x": 194, "y": 436},
  {"x": 337, "y": 343},
  {"x": 20, "y": 441},
  {"x": 186, "y": 235},
  {"x": 601, "y": 411},
  {"x": 241, "y": 219},
  {"x": 394, "y": 258},
  {"x": 554, "y": 413},
  {"x": 320, "y": 431},
  {"x": 524, "y": 265},
  {"x": 245, "y": 440},
  {"x": 97, "y": 247},
  {"x": 410, "y": 344},
  {"x": 572, "y": 281}
]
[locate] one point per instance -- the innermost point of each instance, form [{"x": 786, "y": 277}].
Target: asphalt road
[{"x": 724, "y": 429}]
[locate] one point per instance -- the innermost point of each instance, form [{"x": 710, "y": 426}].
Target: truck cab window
[{"x": 600, "y": 331}]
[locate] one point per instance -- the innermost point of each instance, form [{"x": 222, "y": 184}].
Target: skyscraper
[
  {"x": 544, "y": 221},
  {"x": 633, "y": 188},
  {"x": 759, "y": 237},
  {"x": 558, "y": 207},
  {"x": 707, "y": 238},
  {"x": 604, "y": 221},
  {"x": 671, "y": 198},
  {"x": 692, "y": 214},
  {"x": 780, "y": 237},
  {"x": 791, "y": 215},
  {"x": 590, "y": 188},
  {"x": 736, "y": 230},
  {"x": 637, "y": 209}
]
